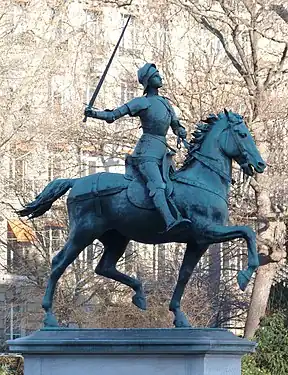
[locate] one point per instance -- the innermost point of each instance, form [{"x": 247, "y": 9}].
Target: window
[
  {"x": 92, "y": 166},
  {"x": 16, "y": 252},
  {"x": 95, "y": 71},
  {"x": 94, "y": 23},
  {"x": 22, "y": 180},
  {"x": 242, "y": 258},
  {"x": 204, "y": 264},
  {"x": 115, "y": 165},
  {"x": 225, "y": 260},
  {"x": 61, "y": 36},
  {"x": 56, "y": 94},
  {"x": 54, "y": 238},
  {"x": 13, "y": 321},
  {"x": 55, "y": 168},
  {"x": 23, "y": 2},
  {"x": 19, "y": 239},
  {"x": 162, "y": 40},
  {"x": 130, "y": 40},
  {"x": 57, "y": 101},
  {"x": 89, "y": 93},
  {"x": 17, "y": 170},
  {"x": 128, "y": 92}
]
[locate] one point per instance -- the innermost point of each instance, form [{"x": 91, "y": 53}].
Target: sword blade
[{"x": 100, "y": 83}]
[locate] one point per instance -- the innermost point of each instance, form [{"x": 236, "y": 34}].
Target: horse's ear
[
  {"x": 226, "y": 112},
  {"x": 210, "y": 119}
]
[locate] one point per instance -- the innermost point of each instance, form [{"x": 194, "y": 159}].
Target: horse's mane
[{"x": 202, "y": 128}]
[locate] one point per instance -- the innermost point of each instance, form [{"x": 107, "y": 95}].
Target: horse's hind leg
[
  {"x": 192, "y": 256},
  {"x": 114, "y": 247},
  {"x": 80, "y": 237}
]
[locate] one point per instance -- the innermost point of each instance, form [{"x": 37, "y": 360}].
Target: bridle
[
  {"x": 238, "y": 143},
  {"x": 209, "y": 161}
]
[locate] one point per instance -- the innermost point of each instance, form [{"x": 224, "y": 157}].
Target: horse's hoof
[
  {"x": 242, "y": 280},
  {"x": 50, "y": 320},
  {"x": 139, "y": 301},
  {"x": 180, "y": 324},
  {"x": 181, "y": 321}
]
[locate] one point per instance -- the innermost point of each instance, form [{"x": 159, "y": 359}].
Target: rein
[
  {"x": 204, "y": 159},
  {"x": 197, "y": 184}
]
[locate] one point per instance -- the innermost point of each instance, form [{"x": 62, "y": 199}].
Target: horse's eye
[{"x": 243, "y": 135}]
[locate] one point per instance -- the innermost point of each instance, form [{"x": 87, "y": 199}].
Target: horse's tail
[{"x": 43, "y": 202}]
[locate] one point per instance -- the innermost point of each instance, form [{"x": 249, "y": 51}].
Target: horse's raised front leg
[
  {"x": 192, "y": 256},
  {"x": 218, "y": 233},
  {"x": 114, "y": 247}
]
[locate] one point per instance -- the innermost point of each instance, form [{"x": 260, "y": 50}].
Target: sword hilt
[{"x": 90, "y": 107}]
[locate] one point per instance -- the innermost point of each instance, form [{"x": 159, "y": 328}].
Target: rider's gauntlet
[{"x": 111, "y": 115}]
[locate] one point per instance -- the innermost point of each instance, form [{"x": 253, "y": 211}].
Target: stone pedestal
[{"x": 132, "y": 352}]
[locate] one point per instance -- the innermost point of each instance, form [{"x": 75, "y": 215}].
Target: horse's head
[{"x": 237, "y": 143}]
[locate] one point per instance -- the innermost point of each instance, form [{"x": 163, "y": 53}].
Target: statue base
[{"x": 178, "y": 351}]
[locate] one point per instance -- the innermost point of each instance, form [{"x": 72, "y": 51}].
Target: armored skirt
[{"x": 150, "y": 146}]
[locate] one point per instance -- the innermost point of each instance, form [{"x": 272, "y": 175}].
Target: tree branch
[
  {"x": 220, "y": 36},
  {"x": 249, "y": 79},
  {"x": 281, "y": 11},
  {"x": 272, "y": 73}
]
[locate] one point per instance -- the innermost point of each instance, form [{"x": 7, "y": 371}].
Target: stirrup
[{"x": 178, "y": 225}]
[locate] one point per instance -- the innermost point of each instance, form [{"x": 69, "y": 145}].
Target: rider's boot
[{"x": 162, "y": 207}]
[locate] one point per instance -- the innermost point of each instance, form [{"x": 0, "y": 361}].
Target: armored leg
[
  {"x": 161, "y": 205},
  {"x": 152, "y": 176}
]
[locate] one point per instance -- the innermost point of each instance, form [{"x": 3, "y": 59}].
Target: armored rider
[{"x": 156, "y": 115}]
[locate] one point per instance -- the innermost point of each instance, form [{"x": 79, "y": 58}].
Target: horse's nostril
[{"x": 261, "y": 165}]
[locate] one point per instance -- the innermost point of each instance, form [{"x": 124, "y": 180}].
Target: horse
[{"x": 199, "y": 191}]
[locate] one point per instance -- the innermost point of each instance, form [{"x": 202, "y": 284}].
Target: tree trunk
[
  {"x": 260, "y": 296},
  {"x": 270, "y": 242}
]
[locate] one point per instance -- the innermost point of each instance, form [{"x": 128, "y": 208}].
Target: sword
[{"x": 100, "y": 83}]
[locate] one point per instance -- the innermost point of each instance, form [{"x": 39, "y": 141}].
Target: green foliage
[
  {"x": 249, "y": 367},
  {"x": 11, "y": 365},
  {"x": 271, "y": 356},
  {"x": 278, "y": 299},
  {"x": 272, "y": 338},
  {"x": 6, "y": 370}
]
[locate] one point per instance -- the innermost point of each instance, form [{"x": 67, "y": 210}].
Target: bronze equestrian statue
[{"x": 153, "y": 203}]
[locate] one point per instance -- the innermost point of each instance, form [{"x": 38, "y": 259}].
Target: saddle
[
  {"x": 137, "y": 192},
  {"x": 105, "y": 183}
]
